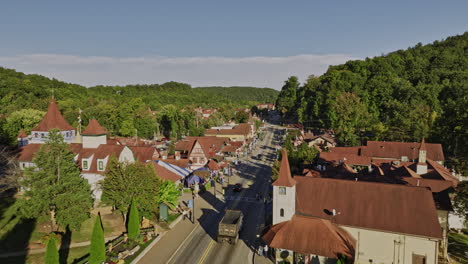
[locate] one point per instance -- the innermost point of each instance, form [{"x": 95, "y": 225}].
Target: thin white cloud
[{"x": 197, "y": 71}]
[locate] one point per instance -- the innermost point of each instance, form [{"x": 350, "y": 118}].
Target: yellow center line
[{"x": 205, "y": 254}]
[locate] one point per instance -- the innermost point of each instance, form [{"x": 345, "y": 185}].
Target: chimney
[
  {"x": 164, "y": 155},
  {"x": 177, "y": 155}
]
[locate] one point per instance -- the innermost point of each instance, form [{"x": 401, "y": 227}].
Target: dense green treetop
[
  {"x": 122, "y": 110},
  {"x": 402, "y": 96}
]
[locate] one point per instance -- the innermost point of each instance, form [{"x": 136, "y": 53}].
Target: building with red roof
[{"x": 322, "y": 219}]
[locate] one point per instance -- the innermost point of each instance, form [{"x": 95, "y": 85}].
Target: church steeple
[
  {"x": 53, "y": 119},
  {"x": 284, "y": 193}
]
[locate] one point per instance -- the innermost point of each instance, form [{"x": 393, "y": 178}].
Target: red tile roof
[
  {"x": 53, "y": 119},
  {"x": 94, "y": 129},
  {"x": 308, "y": 235},
  {"x": 284, "y": 178},
  {"x": 377, "y": 206}
]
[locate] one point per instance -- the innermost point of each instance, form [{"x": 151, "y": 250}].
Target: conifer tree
[
  {"x": 55, "y": 184},
  {"x": 133, "y": 226},
  {"x": 97, "y": 249},
  {"x": 51, "y": 255}
]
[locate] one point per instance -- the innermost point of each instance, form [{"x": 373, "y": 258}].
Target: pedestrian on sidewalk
[
  {"x": 184, "y": 213},
  {"x": 260, "y": 250},
  {"x": 265, "y": 249}
]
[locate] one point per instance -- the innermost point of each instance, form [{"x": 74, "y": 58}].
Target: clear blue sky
[{"x": 224, "y": 28}]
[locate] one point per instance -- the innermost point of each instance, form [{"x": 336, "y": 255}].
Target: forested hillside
[
  {"x": 124, "y": 110},
  {"x": 404, "y": 95}
]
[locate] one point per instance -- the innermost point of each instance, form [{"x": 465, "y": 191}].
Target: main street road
[{"x": 201, "y": 246}]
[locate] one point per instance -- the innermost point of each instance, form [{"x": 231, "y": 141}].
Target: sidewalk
[
  {"x": 261, "y": 260},
  {"x": 174, "y": 238}
]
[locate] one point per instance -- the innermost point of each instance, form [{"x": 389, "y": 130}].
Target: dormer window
[
  {"x": 100, "y": 165},
  {"x": 36, "y": 135},
  {"x": 85, "y": 165},
  {"x": 282, "y": 190}
]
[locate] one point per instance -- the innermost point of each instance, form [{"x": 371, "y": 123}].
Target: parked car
[{"x": 238, "y": 187}]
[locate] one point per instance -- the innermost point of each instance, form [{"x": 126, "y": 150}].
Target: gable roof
[
  {"x": 165, "y": 173},
  {"x": 308, "y": 235},
  {"x": 391, "y": 149},
  {"x": 284, "y": 178},
  {"x": 53, "y": 119},
  {"x": 143, "y": 154},
  {"x": 377, "y": 206},
  {"x": 94, "y": 129},
  {"x": 26, "y": 153},
  {"x": 443, "y": 172}
]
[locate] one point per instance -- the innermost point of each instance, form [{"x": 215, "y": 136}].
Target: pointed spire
[
  {"x": 94, "y": 129},
  {"x": 53, "y": 119},
  {"x": 284, "y": 178},
  {"x": 423, "y": 145},
  {"x": 22, "y": 134}
]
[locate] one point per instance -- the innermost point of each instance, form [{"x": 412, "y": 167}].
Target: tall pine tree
[
  {"x": 51, "y": 255},
  {"x": 56, "y": 183},
  {"x": 97, "y": 249}
]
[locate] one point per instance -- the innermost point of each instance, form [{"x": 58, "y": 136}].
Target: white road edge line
[{"x": 183, "y": 242}]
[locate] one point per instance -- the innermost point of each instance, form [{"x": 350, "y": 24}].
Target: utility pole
[{"x": 193, "y": 214}]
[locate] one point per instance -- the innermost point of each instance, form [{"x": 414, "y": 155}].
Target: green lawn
[
  {"x": 74, "y": 253},
  {"x": 458, "y": 245}
]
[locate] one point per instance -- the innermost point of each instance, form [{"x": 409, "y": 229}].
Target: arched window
[{"x": 282, "y": 212}]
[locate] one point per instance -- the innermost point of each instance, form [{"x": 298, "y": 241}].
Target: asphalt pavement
[
  {"x": 255, "y": 175},
  {"x": 197, "y": 243}
]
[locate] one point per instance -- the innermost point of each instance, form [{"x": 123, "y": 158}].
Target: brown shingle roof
[
  {"x": 434, "y": 185},
  {"x": 212, "y": 165},
  {"x": 165, "y": 174},
  {"x": 284, "y": 178},
  {"x": 377, "y": 206},
  {"x": 26, "y": 153},
  {"x": 308, "y": 235},
  {"x": 351, "y": 159},
  {"x": 53, "y": 119},
  {"x": 143, "y": 154},
  {"x": 94, "y": 129},
  {"x": 389, "y": 149},
  {"x": 443, "y": 172}
]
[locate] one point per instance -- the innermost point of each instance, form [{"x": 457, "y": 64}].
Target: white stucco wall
[
  {"x": 389, "y": 248},
  {"x": 93, "y": 141},
  {"x": 94, "y": 180},
  {"x": 126, "y": 155},
  {"x": 286, "y": 202}
]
